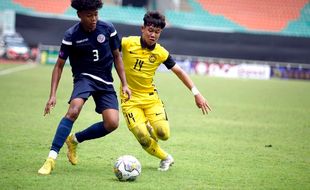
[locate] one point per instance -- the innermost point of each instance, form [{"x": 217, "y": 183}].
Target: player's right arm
[{"x": 56, "y": 75}]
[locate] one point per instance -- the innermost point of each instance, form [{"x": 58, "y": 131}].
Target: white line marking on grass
[{"x": 18, "y": 68}]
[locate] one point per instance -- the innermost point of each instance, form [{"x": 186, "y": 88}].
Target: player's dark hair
[
  {"x": 154, "y": 18},
  {"x": 86, "y": 5}
]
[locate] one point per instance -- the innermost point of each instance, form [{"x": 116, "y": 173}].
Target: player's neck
[
  {"x": 145, "y": 45},
  {"x": 86, "y": 29}
]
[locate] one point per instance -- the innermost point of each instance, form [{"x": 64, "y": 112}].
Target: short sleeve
[
  {"x": 65, "y": 46},
  {"x": 114, "y": 39},
  {"x": 169, "y": 63},
  {"x": 124, "y": 42}
]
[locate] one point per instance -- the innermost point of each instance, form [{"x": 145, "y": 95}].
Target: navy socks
[
  {"x": 95, "y": 131},
  {"x": 62, "y": 132}
]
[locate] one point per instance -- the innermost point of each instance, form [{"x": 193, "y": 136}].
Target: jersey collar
[{"x": 144, "y": 45}]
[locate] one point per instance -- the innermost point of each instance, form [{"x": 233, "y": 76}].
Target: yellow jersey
[{"x": 141, "y": 63}]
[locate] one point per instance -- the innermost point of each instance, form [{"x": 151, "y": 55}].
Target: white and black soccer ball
[{"x": 127, "y": 168}]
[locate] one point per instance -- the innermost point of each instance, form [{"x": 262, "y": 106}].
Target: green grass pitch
[{"x": 256, "y": 137}]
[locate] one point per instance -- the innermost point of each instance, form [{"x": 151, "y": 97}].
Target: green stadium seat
[{"x": 301, "y": 26}]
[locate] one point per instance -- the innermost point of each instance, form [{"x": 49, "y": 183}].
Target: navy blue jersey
[{"x": 90, "y": 53}]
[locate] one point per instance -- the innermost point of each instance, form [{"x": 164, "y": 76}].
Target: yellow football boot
[
  {"x": 72, "y": 145},
  {"x": 47, "y": 167}
]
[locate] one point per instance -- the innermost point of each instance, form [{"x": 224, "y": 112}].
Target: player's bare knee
[
  {"x": 73, "y": 113},
  {"x": 111, "y": 125}
]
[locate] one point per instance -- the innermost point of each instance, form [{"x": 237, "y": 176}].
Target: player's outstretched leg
[
  {"x": 72, "y": 145},
  {"x": 47, "y": 167},
  {"x": 165, "y": 164}
]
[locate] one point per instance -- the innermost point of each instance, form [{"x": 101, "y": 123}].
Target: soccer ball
[{"x": 127, "y": 168}]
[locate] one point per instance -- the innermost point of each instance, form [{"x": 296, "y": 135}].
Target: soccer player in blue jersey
[
  {"x": 145, "y": 113},
  {"x": 92, "y": 47}
]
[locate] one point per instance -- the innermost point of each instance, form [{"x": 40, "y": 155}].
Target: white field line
[{"x": 18, "y": 68}]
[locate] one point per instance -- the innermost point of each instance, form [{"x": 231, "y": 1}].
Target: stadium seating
[
  {"x": 264, "y": 15},
  {"x": 56, "y": 7},
  {"x": 301, "y": 26},
  {"x": 129, "y": 15},
  {"x": 199, "y": 18},
  {"x": 10, "y": 5},
  {"x": 280, "y": 17},
  {"x": 285, "y": 17}
]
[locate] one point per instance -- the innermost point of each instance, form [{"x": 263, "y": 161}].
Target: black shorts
[{"x": 103, "y": 94}]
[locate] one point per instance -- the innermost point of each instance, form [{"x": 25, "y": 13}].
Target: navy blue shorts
[{"x": 103, "y": 94}]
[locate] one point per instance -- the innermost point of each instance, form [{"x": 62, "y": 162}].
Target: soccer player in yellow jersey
[{"x": 144, "y": 112}]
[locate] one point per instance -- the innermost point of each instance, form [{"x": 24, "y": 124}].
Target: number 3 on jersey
[{"x": 96, "y": 55}]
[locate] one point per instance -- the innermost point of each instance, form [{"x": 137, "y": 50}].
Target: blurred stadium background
[{"x": 226, "y": 38}]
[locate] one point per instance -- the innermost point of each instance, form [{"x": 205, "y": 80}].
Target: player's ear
[{"x": 78, "y": 14}]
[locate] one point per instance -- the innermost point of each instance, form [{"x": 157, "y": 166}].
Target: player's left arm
[
  {"x": 201, "y": 102},
  {"x": 119, "y": 66}
]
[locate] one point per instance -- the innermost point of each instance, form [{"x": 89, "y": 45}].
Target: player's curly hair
[
  {"x": 154, "y": 18},
  {"x": 85, "y": 5}
]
